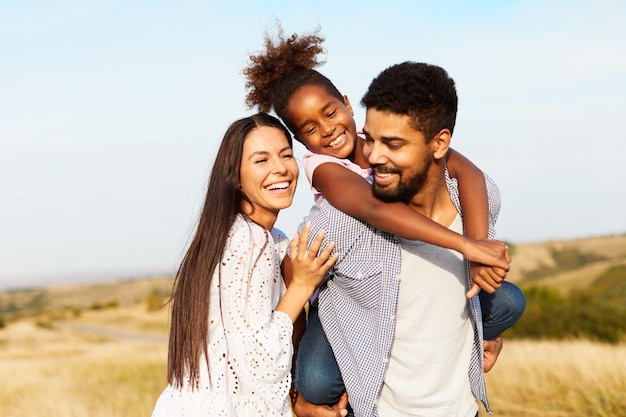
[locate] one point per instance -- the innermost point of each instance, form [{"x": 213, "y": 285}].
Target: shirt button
[
  {"x": 359, "y": 274},
  {"x": 397, "y": 277},
  {"x": 385, "y": 360},
  {"x": 393, "y": 317}
]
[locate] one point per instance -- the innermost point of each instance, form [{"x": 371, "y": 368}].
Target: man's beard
[{"x": 406, "y": 189}]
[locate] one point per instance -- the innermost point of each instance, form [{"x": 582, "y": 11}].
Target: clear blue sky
[{"x": 111, "y": 112}]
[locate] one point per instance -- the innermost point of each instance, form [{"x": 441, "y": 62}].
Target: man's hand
[
  {"x": 492, "y": 349},
  {"x": 303, "y": 408}
]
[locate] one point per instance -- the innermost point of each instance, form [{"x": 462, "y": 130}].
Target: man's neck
[{"x": 433, "y": 199}]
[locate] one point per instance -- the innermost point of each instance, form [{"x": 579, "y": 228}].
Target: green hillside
[{"x": 574, "y": 289}]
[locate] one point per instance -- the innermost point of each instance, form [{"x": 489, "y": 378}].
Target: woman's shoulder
[
  {"x": 281, "y": 242},
  {"x": 255, "y": 237}
]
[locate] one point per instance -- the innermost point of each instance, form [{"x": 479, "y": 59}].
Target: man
[{"x": 395, "y": 311}]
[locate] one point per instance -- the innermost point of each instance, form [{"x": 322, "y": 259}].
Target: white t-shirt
[{"x": 427, "y": 372}]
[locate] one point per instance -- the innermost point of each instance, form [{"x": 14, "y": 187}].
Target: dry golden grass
[
  {"x": 128, "y": 319},
  {"x": 62, "y": 372},
  {"x": 51, "y": 369},
  {"x": 65, "y": 373},
  {"x": 560, "y": 379}
]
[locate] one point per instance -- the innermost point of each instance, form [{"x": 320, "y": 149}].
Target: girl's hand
[
  {"x": 485, "y": 277},
  {"x": 488, "y": 252}
]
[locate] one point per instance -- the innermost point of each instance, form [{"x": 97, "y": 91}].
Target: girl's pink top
[{"x": 310, "y": 161}]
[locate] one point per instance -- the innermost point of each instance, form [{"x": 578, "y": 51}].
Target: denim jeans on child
[{"x": 317, "y": 376}]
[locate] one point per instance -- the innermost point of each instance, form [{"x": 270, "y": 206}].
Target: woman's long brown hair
[{"x": 190, "y": 296}]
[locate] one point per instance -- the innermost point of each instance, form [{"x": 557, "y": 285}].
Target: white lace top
[{"x": 250, "y": 346}]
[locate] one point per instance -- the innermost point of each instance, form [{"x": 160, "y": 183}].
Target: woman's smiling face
[{"x": 268, "y": 174}]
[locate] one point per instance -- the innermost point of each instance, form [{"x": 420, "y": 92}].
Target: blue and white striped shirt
[{"x": 357, "y": 306}]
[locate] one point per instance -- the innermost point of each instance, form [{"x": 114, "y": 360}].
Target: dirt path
[{"x": 113, "y": 333}]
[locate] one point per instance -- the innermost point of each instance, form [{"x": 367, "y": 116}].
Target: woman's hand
[
  {"x": 310, "y": 265},
  {"x": 308, "y": 268}
]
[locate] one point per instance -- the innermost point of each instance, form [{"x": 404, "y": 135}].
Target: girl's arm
[
  {"x": 472, "y": 194},
  {"x": 354, "y": 197},
  {"x": 475, "y": 205}
]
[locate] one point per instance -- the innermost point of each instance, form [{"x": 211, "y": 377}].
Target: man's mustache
[{"x": 383, "y": 169}]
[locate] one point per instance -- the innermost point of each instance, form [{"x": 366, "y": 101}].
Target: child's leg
[
  {"x": 502, "y": 309},
  {"x": 317, "y": 375}
]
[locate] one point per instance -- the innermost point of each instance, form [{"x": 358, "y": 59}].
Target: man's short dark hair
[{"x": 422, "y": 91}]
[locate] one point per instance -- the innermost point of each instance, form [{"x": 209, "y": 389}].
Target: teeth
[
  {"x": 278, "y": 186},
  {"x": 336, "y": 141}
]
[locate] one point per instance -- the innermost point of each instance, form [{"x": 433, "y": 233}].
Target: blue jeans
[
  {"x": 501, "y": 310},
  {"x": 317, "y": 376}
]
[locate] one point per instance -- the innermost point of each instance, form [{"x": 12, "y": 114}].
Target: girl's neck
[{"x": 357, "y": 154}]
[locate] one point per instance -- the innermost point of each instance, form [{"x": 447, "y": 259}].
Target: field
[
  {"x": 559, "y": 379},
  {"x": 100, "y": 349},
  {"x": 56, "y": 371},
  {"x": 67, "y": 372}
]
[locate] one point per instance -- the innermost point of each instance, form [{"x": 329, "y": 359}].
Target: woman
[{"x": 230, "y": 345}]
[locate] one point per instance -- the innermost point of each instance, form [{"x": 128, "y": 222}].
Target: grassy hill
[
  {"x": 574, "y": 288},
  {"x": 569, "y": 283},
  {"x": 61, "y": 298},
  {"x": 595, "y": 265},
  {"x": 567, "y": 264}
]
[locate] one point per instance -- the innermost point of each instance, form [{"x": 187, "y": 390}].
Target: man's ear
[
  {"x": 441, "y": 143},
  {"x": 346, "y": 101}
]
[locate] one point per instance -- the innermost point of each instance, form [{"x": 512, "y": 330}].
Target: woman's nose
[{"x": 279, "y": 167}]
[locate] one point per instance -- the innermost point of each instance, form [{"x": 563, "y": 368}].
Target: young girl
[
  {"x": 230, "y": 346},
  {"x": 282, "y": 78}
]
